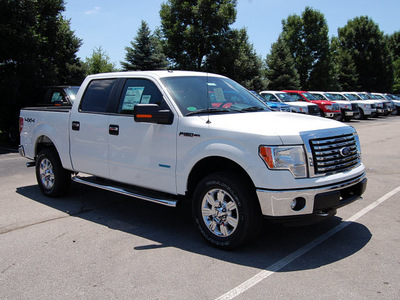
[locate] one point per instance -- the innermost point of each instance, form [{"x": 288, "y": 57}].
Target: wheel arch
[
  {"x": 214, "y": 164},
  {"x": 43, "y": 142}
]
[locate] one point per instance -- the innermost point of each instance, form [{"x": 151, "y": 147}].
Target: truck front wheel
[
  {"x": 226, "y": 211},
  {"x": 52, "y": 178}
]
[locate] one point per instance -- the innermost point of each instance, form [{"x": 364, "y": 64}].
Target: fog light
[{"x": 298, "y": 204}]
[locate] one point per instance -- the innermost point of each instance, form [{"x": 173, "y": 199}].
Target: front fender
[{"x": 244, "y": 156}]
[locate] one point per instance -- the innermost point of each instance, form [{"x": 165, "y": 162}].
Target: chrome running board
[{"x": 127, "y": 191}]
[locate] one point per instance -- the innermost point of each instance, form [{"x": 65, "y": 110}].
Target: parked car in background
[
  {"x": 366, "y": 109},
  {"x": 327, "y": 109},
  {"x": 275, "y": 106},
  {"x": 43, "y": 96},
  {"x": 378, "y": 104},
  {"x": 396, "y": 102},
  {"x": 348, "y": 110},
  {"x": 296, "y": 106},
  {"x": 388, "y": 104},
  {"x": 54, "y": 96}
]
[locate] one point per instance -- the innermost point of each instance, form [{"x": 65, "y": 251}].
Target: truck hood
[
  {"x": 322, "y": 102},
  {"x": 300, "y": 104},
  {"x": 274, "y": 127}
]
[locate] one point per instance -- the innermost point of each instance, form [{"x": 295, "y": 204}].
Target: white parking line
[{"x": 288, "y": 259}]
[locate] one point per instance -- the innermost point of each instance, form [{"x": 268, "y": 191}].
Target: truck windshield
[
  {"x": 351, "y": 97},
  {"x": 202, "y": 94},
  {"x": 309, "y": 96},
  {"x": 286, "y": 97}
]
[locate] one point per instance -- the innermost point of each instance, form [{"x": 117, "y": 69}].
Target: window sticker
[
  {"x": 132, "y": 97},
  {"x": 219, "y": 95},
  {"x": 56, "y": 97},
  {"x": 146, "y": 99}
]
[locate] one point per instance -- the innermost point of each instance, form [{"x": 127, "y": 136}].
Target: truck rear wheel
[
  {"x": 52, "y": 178},
  {"x": 226, "y": 211}
]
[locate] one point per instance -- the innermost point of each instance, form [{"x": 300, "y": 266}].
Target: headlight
[
  {"x": 290, "y": 158},
  {"x": 329, "y": 107},
  {"x": 303, "y": 109}
]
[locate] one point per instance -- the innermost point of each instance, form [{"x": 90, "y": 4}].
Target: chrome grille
[
  {"x": 313, "y": 110},
  {"x": 334, "y": 154}
]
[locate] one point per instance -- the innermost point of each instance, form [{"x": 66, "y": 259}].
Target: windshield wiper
[
  {"x": 208, "y": 110},
  {"x": 253, "y": 108}
]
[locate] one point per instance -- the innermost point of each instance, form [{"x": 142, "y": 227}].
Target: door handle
[
  {"x": 113, "y": 129},
  {"x": 76, "y": 125}
]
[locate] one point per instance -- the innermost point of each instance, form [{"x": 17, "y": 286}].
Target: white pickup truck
[{"x": 171, "y": 136}]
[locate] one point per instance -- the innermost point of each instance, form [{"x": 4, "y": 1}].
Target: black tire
[
  {"x": 52, "y": 178},
  {"x": 340, "y": 117},
  {"x": 226, "y": 211},
  {"x": 361, "y": 115}
]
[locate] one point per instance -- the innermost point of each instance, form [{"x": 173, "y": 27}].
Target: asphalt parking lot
[{"x": 93, "y": 244}]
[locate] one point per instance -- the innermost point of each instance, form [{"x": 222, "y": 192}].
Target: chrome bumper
[{"x": 317, "y": 200}]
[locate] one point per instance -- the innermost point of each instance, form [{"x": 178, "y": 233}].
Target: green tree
[
  {"x": 37, "y": 44},
  {"x": 281, "y": 71},
  {"x": 369, "y": 51},
  {"x": 396, "y": 84},
  {"x": 192, "y": 28},
  {"x": 145, "y": 53},
  {"x": 236, "y": 58},
  {"x": 308, "y": 41},
  {"x": 394, "y": 46},
  {"x": 37, "y": 48},
  {"x": 99, "y": 62},
  {"x": 345, "y": 69}
]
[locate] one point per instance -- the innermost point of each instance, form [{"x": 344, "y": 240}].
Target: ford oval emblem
[{"x": 345, "y": 151}]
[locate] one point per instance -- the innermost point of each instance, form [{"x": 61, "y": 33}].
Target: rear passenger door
[
  {"x": 89, "y": 128},
  {"x": 142, "y": 154}
]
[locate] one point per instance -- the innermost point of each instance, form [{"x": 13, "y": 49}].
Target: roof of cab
[{"x": 159, "y": 74}]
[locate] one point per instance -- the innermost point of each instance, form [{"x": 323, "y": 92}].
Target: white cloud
[{"x": 93, "y": 11}]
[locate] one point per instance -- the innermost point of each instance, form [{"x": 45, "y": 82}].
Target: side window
[
  {"x": 319, "y": 97},
  {"x": 273, "y": 98},
  {"x": 139, "y": 91},
  {"x": 96, "y": 95},
  {"x": 297, "y": 97},
  {"x": 267, "y": 97}
]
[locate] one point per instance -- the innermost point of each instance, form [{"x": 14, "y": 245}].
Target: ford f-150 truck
[
  {"x": 171, "y": 136},
  {"x": 327, "y": 108}
]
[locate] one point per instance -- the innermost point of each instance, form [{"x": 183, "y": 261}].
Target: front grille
[
  {"x": 335, "y": 107},
  {"x": 313, "y": 110},
  {"x": 334, "y": 154},
  {"x": 354, "y": 107},
  {"x": 373, "y": 106}
]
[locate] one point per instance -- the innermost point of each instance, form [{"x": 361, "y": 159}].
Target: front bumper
[
  {"x": 332, "y": 114},
  {"x": 316, "y": 200},
  {"x": 351, "y": 113}
]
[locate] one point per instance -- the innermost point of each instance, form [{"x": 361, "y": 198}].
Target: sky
[{"x": 113, "y": 25}]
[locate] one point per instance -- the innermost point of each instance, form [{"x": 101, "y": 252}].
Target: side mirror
[{"x": 151, "y": 113}]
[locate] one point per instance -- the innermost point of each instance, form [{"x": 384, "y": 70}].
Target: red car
[{"x": 328, "y": 109}]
